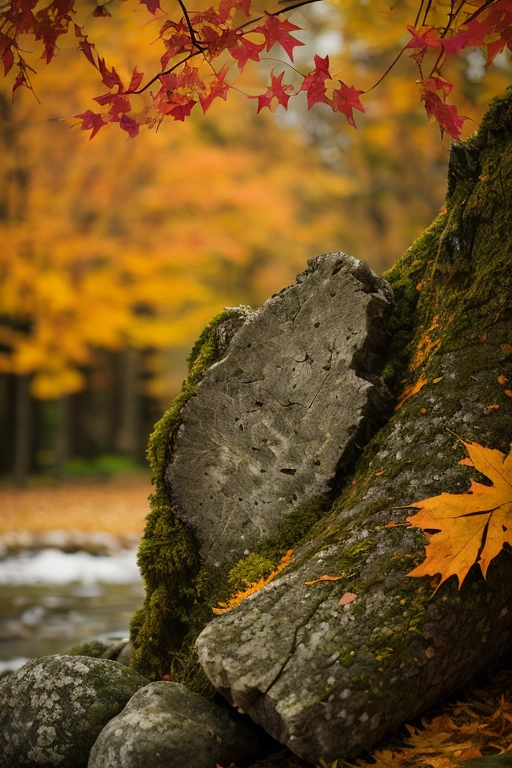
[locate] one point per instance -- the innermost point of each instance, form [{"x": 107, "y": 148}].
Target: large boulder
[
  {"x": 276, "y": 405},
  {"x": 329, "y": 666},
  {"x": 53, "y": 709},
  {"x": 296, "y": 391},
  {"x": 164, "y": 725}
]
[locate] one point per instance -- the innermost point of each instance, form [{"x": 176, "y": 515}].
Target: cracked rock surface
[
  {"x": 53, "y": 709},
  {"x": 295, "y": 394}
]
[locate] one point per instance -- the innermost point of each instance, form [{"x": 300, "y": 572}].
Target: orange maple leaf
[{"x": 473, "y": 526}]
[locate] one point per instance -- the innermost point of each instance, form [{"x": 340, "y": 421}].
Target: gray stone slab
[{"x": 295, "y": 394}]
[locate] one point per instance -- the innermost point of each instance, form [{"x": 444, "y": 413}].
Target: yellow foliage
[{"x": 121, "y": 242}]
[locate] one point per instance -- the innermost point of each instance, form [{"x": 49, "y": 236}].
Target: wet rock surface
[
  {"x": 53, "y": 709},
  {"x": 165, "y": 725},
  {"x": 296, "y": 392}
]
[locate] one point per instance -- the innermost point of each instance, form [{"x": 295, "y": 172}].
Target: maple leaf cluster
[{"x": 201, "y": 47}]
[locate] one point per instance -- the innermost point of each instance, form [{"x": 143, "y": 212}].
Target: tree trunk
[
  {"x": 23, "y": 431},
  {"x": 330, "y": 666},
  {"x": 126, "y": 440}
]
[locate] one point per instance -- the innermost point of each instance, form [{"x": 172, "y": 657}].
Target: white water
[
  {"x": 51, "y": 600},
  {"x": 51, "y": 566}
]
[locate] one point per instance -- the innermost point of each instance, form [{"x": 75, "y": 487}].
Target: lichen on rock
[
  {"x": 53, "y": 709},
  {"x": 165, "y": 725}
]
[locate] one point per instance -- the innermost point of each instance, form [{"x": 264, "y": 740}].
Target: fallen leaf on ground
[{"x": 347, "y": 598}]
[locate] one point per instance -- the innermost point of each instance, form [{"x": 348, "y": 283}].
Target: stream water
[{"x": 51, "y": 600}]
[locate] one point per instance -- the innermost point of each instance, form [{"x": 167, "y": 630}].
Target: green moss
[
  {"x": 94, "y": 648},
  {"x": 168, "y": 554}
]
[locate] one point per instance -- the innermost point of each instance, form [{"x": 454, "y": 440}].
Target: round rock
[
  {"x": 164, "y": 725},
  {"x": 53, "y": 709}
]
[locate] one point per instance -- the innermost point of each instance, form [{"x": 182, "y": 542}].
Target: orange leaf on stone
[
  {"x": 472, "y": 526},
  {"x": 324, "y": 578},
  {"x": 250, "y": 589}
]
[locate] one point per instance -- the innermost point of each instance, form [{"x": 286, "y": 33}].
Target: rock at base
[
  {"x": 165, "y": 725},
  {"x": 295, "y": 393},
  {"x": 53, "y": 709}
]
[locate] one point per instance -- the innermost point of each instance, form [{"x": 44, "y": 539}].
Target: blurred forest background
[{"x": 116, "y": 252}]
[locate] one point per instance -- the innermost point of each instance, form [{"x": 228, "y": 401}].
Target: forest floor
[
  {"x": 474, "y": 722},
  {"x": 117, "y": 506}
]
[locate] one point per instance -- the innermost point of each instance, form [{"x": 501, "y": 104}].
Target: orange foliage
[{"x": 254, "y": 587}]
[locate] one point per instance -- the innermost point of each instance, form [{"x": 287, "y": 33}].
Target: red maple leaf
[
  {"x": 135, "y": 81},
  {"x": 314, "y": 82},
  {"x": 453, "y": 45},
  {"x": 276, "y": 90},
  {"x": 6, "y": 53},
  {"x": 226, "y": 6},
  {"x": 244, "y": 50},
  {"x": 218, "y": 88},
  {"x": 422, "y": 40},
  {"x": 438, "y": 84},
  {"x": 152, "y": 5},
  {"x": 129, "y": 125},
  {"x": 91, "y": 120},
  {"x": 346, "y": 98},
  {"x": 445, "y": 114},
  {"x": 178, "y": 41},
  {"x": 277, "y": 30},
  {"x": 109, "y": 77}
]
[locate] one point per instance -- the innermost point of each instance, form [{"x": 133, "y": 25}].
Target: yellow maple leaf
[{"x": 472, "y": 526}]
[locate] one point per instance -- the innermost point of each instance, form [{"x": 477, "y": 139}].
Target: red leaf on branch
[
  {"x": 173, "y": 103},
  {"x": 275, "y": 91},
  {"x": 178, "y": 41},
  {"x": 314, "y": 82},
  {"x": 226, "y": 6},
  {"x": 244, "y": 50},
  {"x": 129, "y": 125},
  {"x": 452, "y": 46},
  {"x": 346, "y": 98},
  {"x": 152, "y": 5},
  {"x": 109, "y": 77},
  {"x": 438, "y": 84},
  {"x": 7, "y": 60},
  {"x": 277, "y": 30},
  {"x": 444, "y": 114},
  {"x": 135, "y": 81},
  {"x": 218, "y": 88},
  {"x": 20, "y": 80},
  {"x": 422, "y": 40},
  {"x": 91, "y": 120}
]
